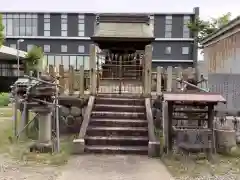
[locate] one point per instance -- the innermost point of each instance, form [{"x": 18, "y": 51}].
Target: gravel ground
[
  {"x": 15, "y": 170},
  {"x": 228, "y": 176}
]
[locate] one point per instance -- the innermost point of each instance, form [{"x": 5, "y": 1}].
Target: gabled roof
[{"x": 232, "y": 24}]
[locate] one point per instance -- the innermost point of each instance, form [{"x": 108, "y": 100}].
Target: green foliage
[
  {"x": 4, "y": 99},
  {"x": 1, "y": 31},
  {"x": 205, "y": 28},
  {"x": 33, "y": 58}
]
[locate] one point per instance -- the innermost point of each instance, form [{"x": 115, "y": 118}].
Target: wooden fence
[{"x": 79, "y": 80}]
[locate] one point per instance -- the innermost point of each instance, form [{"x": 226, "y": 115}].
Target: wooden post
[
  {"x": 159, "y": 81},
  {"x": 51, "y": 70},
  {"x": 92, "y": 64},
  {"x": 148, "y": 71},
  {"x": 81, "y": 80},
  {"x": 71, "y": 80},
  {"x": 169, "y": 78},
  {"x": 178, "y": 75},
  {"x": 61, "y": 80}
]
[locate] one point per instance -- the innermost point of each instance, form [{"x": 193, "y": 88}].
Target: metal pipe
[
  {"x": 18, "y": 58},
  {"x": 192, "y": 85}
]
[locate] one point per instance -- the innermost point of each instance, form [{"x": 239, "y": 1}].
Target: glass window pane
[
  {"x": 46, "y": 48},
  {"x": 51, "y": 60},
  {"x": 168, "y": 50},
  {"x": 29, "y": 47},
  {"x": 79, "y": 61},
  {"x": 16, "y": 27},
  {"x": 186, "y": 34},
  {"x": 65, "y": 62},
  {"x": 168, "y": 27},
  {"x": 81, "y": 49},
  {"x": 81, "y": 21},
  {"x": 80, "y": 27},
  {"x": 64, "y": 27},
  {"x": 81, "y": 33},
  {"x": 63, "y": 48},
  {"x": 46, "y": 16},
  {"x": 64, "y": 16},
  {"x": 46, "y": 33},
  {"x": 168, "y": 34},
  {"x": 73, "y": 61},
  {"x": 13, "y": 46},
  {"x": 34, "y": 16},
  {"x": 80, "y": 16},
  {"x": 86, "y": 63},
  {"x": 9, "y": 27},
  {"x": 22, "y": 27},
  {"x": 29, "y": 16},
  {"x": 168, "y": 17},
  {"x": 47, "y": 26},
  {"x": 58, "y": 61},
  {"x": 64, "y": 33},
  {"x": 185, "y": 50},
  {"x": 16, "y": 15}
]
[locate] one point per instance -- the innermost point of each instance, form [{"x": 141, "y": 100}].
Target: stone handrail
[
  {"x": 154, "y": 142},
  {"x": 86, "y": 117}
]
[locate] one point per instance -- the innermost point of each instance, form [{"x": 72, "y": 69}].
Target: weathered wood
[
  {"x": 71, "y": 80},
  {"x": 159, "y": 80},
  {"x": 81, "y": 80},
  {"x": 61, "y": 80}
]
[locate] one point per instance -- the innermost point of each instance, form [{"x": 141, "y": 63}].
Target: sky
[{"x": 208, "y": 8}]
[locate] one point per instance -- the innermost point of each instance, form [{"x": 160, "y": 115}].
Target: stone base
[
  {"x": 78, "y": 146},
  {"x": 154, "y": 149},
  {"x": 42, "y": 147}
]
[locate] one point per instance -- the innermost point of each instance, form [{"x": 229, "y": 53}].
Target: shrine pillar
[
  {"x": 147, "y": 85},
  {"x": 92, "y": 65}
]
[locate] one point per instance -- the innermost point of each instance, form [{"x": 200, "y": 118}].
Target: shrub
[{"x": 4, "y": 99}]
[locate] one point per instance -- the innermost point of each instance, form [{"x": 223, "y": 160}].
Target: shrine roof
[
  {"x": 123, "y": 30},
  {"x": 194, "y": 97}
]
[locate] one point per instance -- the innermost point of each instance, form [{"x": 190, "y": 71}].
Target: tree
[
  {"x": 1, "y": 31},
  {"x": 205, "y": 28},
  {"x": 33, "y": 59}
]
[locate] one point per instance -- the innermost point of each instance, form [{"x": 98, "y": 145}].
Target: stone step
[
  {"x": 117, "y": 140},
  {"x": 141, "y": 150},
  {"x": 118, "y": 115},
  {"x": 118, "y": 108},
  {"x": 116, "y": 131},
  {"x": 119, "y": 100},
  {"x": 119, "y": 122}
]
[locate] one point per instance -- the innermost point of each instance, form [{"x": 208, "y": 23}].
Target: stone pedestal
[
  {"x": 44, "y": 143},
  {"x": 45, "y": 128}
]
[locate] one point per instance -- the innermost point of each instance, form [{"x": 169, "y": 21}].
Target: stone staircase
[{"x": 117, "y": 125}]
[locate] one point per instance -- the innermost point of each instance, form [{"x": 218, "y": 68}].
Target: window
[
  {"x": 47, "y": 25},
  {"x": 64, "y": 24},
  {"x": 50, "y": 60},
  {"x": 81, "y": 49},
  {"x": 168, "y": 26},
  {"x": 46, "y": 48},
  {"x": 185, "y": 50},
  {"x": 81, "y": 27},
  {"x": 13, "y": 46},
  {"x": 73, "y": 61},
  {"x": 65, "y": 62},
  {"x": 186, "y": 31},
  {"x": 63, "y": 48},
  {"x": 20, "y": 24},
  {"x": 168, "y": 50},
  {"x": 29, "y": 47}
]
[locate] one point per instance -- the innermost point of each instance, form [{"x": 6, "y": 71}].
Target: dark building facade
[{"x": 65, "y": 37}]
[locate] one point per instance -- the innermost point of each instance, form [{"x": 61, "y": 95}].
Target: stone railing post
[
  {"x": 169, "y": 79},
  {"x": 148, "y": 71},
  {"x": 81, "y": 80},
  {"x": 92, "y": 64},
  {"x": 159, "y": 81}
]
